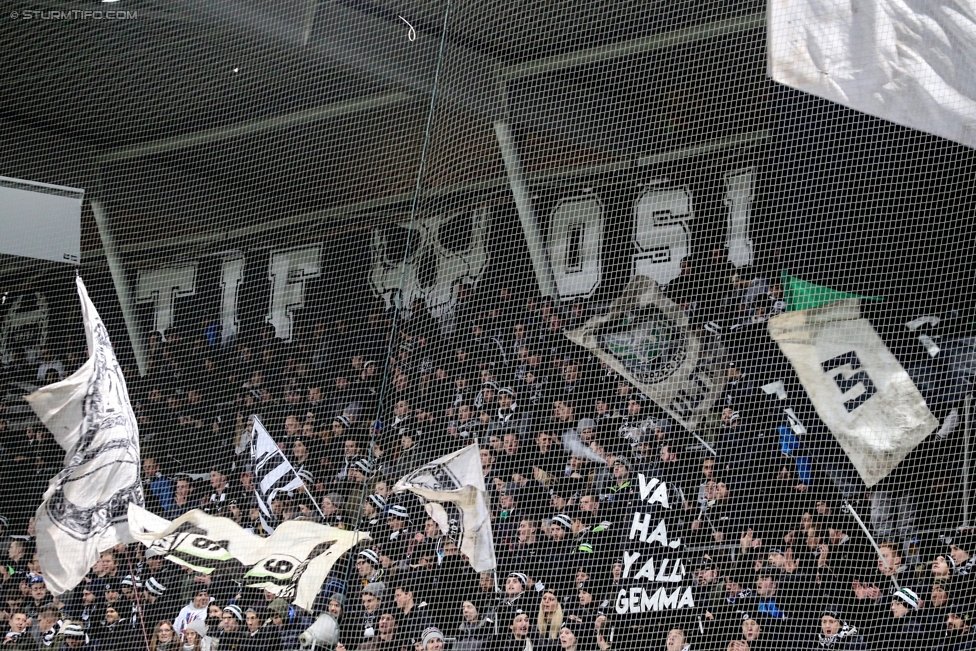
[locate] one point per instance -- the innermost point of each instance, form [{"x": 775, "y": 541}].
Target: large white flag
[
  {"x": 85, "y": 505},
  {"x": 859, "y": 389},
  {"x": 293, "y": 562},
  {"x": 913, "y": 63},
  {"x": 454, "y": 487},
  {"x": 273, "y": 473},
  {"x": 645, "y": 337}
]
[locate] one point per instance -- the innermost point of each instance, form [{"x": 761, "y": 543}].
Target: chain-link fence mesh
[{"x": 710, "y": 335}]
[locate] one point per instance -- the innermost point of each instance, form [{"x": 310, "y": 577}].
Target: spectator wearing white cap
[
  {"x": 432, "y": 640},
  {"x": 195, "y": 637},
  {"x": 556, "y": 571},
  {"x": 368, "y": 567},
  {"x": 901, "y": 629},
  {"x": 231, "y": 633},
  {"x": 398, "y": 540},
  {"x": 157, "y": 603},
  {"x": 72, "y": 636},
  {"x": 374, "y": 510},
  {"x": 518, "y": 595}
]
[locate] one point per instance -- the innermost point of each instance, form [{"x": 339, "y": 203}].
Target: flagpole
[
  {"x": 967, "y": 430},
  {"x": 874, "y": 544},
  {"x": 135, "y": 591},
  {"x": 498, "y": 597}
]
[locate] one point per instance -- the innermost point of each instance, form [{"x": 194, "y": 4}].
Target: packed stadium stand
[{"x": 481, "y": 326}]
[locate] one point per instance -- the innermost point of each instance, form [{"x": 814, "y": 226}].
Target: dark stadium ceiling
[{"x": 190, "y": 112}]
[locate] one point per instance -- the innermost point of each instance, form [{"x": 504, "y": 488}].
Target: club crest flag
[
  {"x": 85, "y": 506},
  {"x": 645, "y": 338},
  {"x": 454, "y": 487},
  {"x": 859, "y": 389},
  {"x": 293, "y": 562}
]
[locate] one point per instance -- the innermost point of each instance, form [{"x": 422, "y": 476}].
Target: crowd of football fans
[{"x": 775, "y": 559}]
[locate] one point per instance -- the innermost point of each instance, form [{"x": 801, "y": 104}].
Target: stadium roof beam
[
  {"x": 335, "y": 33},
  {"x": 360, "y": 42},
  {"x": 254, "y": 127},
  {"x": 636, "y": 46},
  {"x": 499, "y": 184}
]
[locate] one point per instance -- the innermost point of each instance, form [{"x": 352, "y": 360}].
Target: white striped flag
[{"x": 273, "y": 473}]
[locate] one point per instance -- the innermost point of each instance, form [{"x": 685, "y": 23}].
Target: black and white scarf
[
  {"x": 505, "y": 415},
  {"x": 846, "y": 631}
]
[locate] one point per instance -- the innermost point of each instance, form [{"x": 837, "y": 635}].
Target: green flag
[{"x": 803, "y": 295}]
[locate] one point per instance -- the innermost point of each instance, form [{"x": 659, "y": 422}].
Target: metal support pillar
[{"x": 121, "y": 284}]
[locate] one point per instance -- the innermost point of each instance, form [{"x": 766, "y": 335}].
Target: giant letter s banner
[
  {"x": 645, "y": 337},
  {"x": 859, "y": 389}
]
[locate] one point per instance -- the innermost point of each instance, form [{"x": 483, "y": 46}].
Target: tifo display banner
[
  {"x": 292, "y": 563},
  {"x": 85, "y": 505},
  {"x": 910, "y": 63},
  {"x": 859, "y": 389},
  {"x": 653, "y": 557},
  {"x": 646, "y": 338},
  {"x": 488, "y": 326}
]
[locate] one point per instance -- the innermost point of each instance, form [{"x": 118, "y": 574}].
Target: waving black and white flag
[
  {"x": 858, "y": 387},
  {"x": 86, "y": 504},
  {"x": 454, "y": 487},
  {"x": 293, "y": 563},
  {"x": 273, "y": 473}
]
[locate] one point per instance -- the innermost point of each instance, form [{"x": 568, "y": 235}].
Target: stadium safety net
[{"x": 387, "y": 325}]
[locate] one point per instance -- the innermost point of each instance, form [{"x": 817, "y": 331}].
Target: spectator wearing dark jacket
[
  {"x": 901, "y": 629},
  {"x": 520, "y": 634},
  {"x": 112, "y": 633},
  {"x": 475, "y": 632},
  {"x": 258, "y": 637},
  {"x": 414, "y": 615},
  {"x": 388, "y": 637},
  {"x": 957, "y": 634},
  {"x": 835, "y": 633}
]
